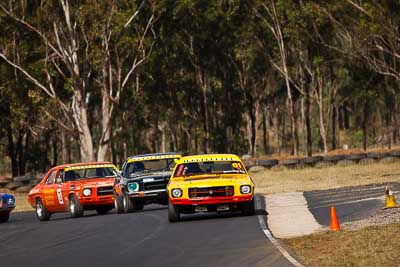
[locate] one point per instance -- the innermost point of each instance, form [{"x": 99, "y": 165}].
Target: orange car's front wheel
[
  {"x": 41, "y": 212},
  {"x": 75, "y": 208}
]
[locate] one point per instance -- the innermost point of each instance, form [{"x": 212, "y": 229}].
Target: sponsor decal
[
  {"x": 59, "y": 196},
  {"x": 153, "y": 158},
  {"x": 205, "y": 159},
  {"x": 91, "y": 166}
]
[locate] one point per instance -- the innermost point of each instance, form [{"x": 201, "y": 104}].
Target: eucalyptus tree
[{"x": 84, "y": 44}]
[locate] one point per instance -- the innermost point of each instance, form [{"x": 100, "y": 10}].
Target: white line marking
[
  {"x": 347, "y": 202},
  {"x": 273, "y": 240}
]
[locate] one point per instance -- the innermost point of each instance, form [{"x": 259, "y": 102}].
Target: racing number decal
[
  {"x": 59, "y": 196},
  {"x": 237, "y": 166}
]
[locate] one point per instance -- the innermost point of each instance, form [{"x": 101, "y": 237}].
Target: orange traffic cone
[{"x": 334, "y": 220}]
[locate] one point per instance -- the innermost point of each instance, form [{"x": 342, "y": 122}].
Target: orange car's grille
[{"x": 215, "y": 191}]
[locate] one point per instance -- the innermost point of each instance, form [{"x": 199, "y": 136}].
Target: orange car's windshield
[
  {"x": 209, "y": 167},
  {"x": 89, "y": 173}
]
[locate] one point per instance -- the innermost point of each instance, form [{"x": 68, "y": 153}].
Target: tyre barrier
[
  {"x": 20, "y": 184},
  {"x": 312, "y": 160},
  {"x": 325, "y": 161},
  {"x": 268, "y": 163},
  {"x": 290, "y": 163},
  {"x": 356, "y": 157},
  {"x": 377, "y": 156},
  {"x": 334, "y": 158},
  {"x": 395, "y": 153}
]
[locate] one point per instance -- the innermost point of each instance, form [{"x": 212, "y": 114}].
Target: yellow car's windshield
[{"x": 208, "y": 167}]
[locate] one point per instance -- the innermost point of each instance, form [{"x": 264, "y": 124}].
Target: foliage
[{"x": 210, "y": 70}]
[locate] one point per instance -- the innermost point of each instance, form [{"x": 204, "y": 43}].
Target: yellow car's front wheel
[
  {"x": 173, "y": 214},
  {"x": 248, "y": 208}
]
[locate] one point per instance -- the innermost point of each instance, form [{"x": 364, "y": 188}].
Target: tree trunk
[
  {"x": 321, "y": 116},
  {"x": 275, "y": 121},
  {"x": 338, "y": 144},
  {"x": 307, "y": 116},
  {"x": 20, "y": 152},
  {"x": 229, "y": 139},
  {"x": 206, "y": 143},
  {"x": 364, "y": 125},
  {"x": 265, "y": 132},
  {"x": 82, "y": 123},
  {"x": 293, "y": 128},
  {"x": 11, "y": 151},
  {"x": 104, "y": 144},
  {"x": 252, "y": 124},
  {"x": 64, "y": 147},
  {"x": 334, "y": 127},
  {"x": 55, "y": 150}
]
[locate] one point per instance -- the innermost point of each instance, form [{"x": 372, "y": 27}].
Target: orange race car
[{"x": 75, "y": 188}]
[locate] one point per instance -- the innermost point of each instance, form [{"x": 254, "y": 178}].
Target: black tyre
[
  {"x": 103, "y": 210},
  {"x": 249, "y": 209},
  {"x": 4, "y": 218},
  {"x": 173, "y": 213},
  {"x": 127, "y": 204},
  {"x": 75, "y": 208},
  {"x": 118, "y": 203},
  {"x": 41, "y": 212}
]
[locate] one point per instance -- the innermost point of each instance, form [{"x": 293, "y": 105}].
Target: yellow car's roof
[{"x": 209, "y": 157}]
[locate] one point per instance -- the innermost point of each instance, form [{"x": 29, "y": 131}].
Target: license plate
[
  {"x": 200, "y": 209},
  {"x": 146, "y": 180},
  {"x": 222, "y": 208}
]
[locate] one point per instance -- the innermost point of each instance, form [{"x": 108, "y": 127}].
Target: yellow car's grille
[{"x": 215, "y": 191}]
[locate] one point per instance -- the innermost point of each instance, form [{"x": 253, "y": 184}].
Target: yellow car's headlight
[
  {"x": 245, "y": 189},
  {"x": 176, "y": 192}
]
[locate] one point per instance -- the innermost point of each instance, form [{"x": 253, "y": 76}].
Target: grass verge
[
  {"x": 295, "y": 180},
  {"x": 371, "y": 246}
]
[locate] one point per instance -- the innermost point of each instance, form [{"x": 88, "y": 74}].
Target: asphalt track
[
  {"x": 137, "y": 239},
  {"x": 351, "y": 203}
]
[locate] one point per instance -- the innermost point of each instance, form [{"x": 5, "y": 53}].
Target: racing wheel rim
[
  {"x": 39, "y": 209},
  {"x": 72, "y": 207},
  {"x": 124, "y": 202}
]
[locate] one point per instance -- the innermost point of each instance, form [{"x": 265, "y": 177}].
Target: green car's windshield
[
  {"x": 101, "y": 172},
  {"x": 209, "y": 167},
  {"x": 148, "y": 166}
]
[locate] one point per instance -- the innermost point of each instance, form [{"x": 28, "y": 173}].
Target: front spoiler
[
  {"x": 95, "y": 200},
  {"x": 149, "y": 194},
  {"x": 211, "y": 200}
]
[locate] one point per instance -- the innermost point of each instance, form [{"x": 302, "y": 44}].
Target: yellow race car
[{"x": 209, "y": 183}]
